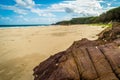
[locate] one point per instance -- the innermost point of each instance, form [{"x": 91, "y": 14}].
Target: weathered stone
[{"x": 85, "y": 60}]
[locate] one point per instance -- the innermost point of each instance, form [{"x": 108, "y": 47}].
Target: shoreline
[{"x": 17, "y": 27}]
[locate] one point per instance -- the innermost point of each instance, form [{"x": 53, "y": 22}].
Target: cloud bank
[{"x": 71, "y": 8}]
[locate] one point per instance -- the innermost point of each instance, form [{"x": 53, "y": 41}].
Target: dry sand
[{"x": 21, "y": 49}]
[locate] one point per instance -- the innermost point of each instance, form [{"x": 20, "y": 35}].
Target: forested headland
[{"x": 112, "y": 15}]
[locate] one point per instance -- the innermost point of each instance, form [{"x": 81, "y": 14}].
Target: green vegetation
[
  {"x": 112, "y": 15},
  {"x": 102, "y": 24}
]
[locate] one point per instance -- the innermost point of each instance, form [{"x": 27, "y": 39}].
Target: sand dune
[{"x": 21, "y": 49}]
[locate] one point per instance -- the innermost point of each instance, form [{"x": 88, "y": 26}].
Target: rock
[
  {"x": 85, "y": 60},
  {"x": 110, "y": 34}
]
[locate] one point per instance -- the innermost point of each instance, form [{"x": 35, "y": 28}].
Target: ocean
[{"x": 18, "y": 26}]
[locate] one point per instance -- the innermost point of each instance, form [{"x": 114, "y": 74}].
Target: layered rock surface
[{"x": 85, "y": 60}]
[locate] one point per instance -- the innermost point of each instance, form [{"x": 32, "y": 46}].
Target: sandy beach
[{"x": 21, "y": 49}]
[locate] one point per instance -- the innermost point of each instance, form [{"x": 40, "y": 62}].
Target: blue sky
[{"x": 50, "y": 11}]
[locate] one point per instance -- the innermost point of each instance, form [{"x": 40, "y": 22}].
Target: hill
[{"x": 111, "y": 15}]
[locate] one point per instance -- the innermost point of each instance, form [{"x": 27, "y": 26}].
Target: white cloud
[
  {"x": 42, "y": 12},
  {"x": 37, "y": 20},
  {"x": 30, "y": 5},
  {"x": 5, "y": 18},
  {"x": 21, "y": 17},
  {"x": 27, "y": 6},
  {"x": 14, "y": 8},
  {"x": 86, "y": 7},
  {"x": 73, "y": 8},
  {"x": 83, "y": 7},
  {"x": 25, "y": 3}
]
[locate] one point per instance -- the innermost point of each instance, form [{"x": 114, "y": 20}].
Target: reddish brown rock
[{"x": 85, "y": 60}]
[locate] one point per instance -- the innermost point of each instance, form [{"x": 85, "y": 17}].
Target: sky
[{"x": 14, "y": 12}]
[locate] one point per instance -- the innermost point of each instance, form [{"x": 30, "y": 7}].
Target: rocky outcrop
[
  {"x": 85, "y": 60},
  {"x": 111, "y": 33}
]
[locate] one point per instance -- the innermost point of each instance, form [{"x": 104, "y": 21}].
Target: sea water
[{"x": 20, "y": 26}]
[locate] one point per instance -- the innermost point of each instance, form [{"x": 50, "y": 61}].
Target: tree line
[{"x": 112, "y": 15}]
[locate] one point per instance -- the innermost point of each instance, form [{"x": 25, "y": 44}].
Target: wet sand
[{"x": 21, "y": 49}]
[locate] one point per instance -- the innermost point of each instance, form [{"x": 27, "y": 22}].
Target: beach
[{"x": 21, "y": 49}]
